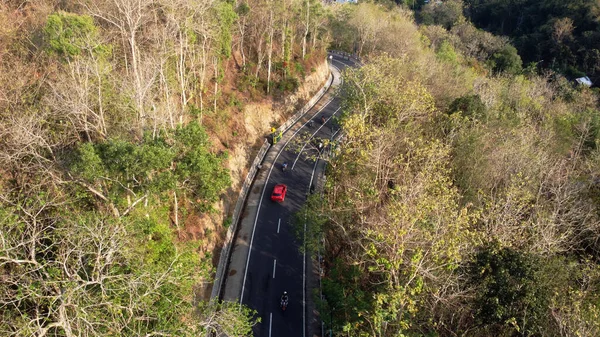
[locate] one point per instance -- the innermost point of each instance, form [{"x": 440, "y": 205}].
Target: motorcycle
[{"x": 284, "y": 303}]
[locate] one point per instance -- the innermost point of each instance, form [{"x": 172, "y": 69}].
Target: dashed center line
[
  {"x": 274, "y": 264},
  {"x": 278, "y": 224},
  {"x": 313, "y": 136}
]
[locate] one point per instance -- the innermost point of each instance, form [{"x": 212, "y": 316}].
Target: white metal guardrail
[
  {"x": 226, "y": 250},
  {"x": 228, "y": 244},
  {"x": 347, "y": 56},
  {"x": 288, "y": 124}
]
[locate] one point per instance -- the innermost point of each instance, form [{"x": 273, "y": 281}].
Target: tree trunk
[
  {"x": 306, "y": 29},
  {"x": 136, "y": 77},
  {"x": 176, "y": 210},
  {"x": 242, "y": 29},
  {"x": 216, "y": 66},
  {"x": 270, "y": 52},
  {"x": 163, "y": 79},
  {"x": 314, "y": 36},
  {"x": 260, "y": 56},
  {"x": 283, "y": 36},
  {"x": 181, "y": 66},
  {"x": 102, "y": 122},
  {"x": 202, "y": 76}
]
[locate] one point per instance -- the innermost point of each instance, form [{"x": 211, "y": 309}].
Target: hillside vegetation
[
  {"x": 559, "y": 35},
  {"x": 562, "y": 35},
  {"x": 463, "y": 199},
  {"x": 116, "y": 118}
]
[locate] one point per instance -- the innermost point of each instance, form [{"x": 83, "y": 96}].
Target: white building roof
[{"x": 584, "y": 81}]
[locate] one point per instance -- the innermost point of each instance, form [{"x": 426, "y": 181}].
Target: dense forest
[
  {"x": 463, "y": 199},
  {"x": 116, "y": 121},
  {"x": 563, "y": 36}
]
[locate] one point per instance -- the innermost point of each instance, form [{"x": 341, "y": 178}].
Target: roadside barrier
[
  {"x": 347, "y": 56},
  {"x": 256, "y": 165}
]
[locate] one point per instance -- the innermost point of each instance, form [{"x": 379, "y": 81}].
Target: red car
[{"x": 279, "y": 192}]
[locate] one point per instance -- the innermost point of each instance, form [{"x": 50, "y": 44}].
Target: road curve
[{"x": 274, "y": 261}]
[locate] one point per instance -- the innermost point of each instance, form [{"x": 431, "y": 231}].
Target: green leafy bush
[
  {"x": 71, "y": 34},
  {"x": 289, "y": 84},
  {"x": 506, "y": 60},
  {"x": 470, "y": 105},
  {"x": 509, "y": 296},
  {"x": 226, "y": 18},
  {"x": 179, "y": 160},
  {"x": 203, "y": 171},
  {"x": 299, "y": 69},
  {"x": 446, "y": 52}
]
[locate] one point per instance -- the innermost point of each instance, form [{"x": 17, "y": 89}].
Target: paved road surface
[{"x": 275, "y": 262}]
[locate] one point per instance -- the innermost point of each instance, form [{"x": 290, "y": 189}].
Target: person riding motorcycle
[
  {"x": 284, "y": 300},
  {"x": 284, "y": 166}
]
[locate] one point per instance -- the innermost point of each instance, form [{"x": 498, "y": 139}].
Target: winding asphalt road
[{"x": 275, "y": 262}]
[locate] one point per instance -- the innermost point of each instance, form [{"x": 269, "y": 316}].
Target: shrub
[
  {"x": 471, "y": 106},
  {"x": 509, "y": 295},
  {"x": 446, "y": 52},
  {"x": 69, "y": 34},
  {"x": 299, "y": 69},
  {"x": 506, "y": 60},
  {"x": 289, "y": 84}
]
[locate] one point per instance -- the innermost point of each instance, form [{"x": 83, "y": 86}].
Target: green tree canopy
[
  {"x": 70, "y": 34},
  {"x": 506, "y": 60}
]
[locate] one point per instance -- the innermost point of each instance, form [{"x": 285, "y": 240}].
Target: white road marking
[
  {"x": 278, "y": 224},
  {"x": 260, "y": 204},
  {"x": 304, "y": 241},
  {"x": 254, "y": 230},
  {"x": 304, "y": 284},
  {"x": 312, "y": 136},
  {"x": 274, "y": 264}
]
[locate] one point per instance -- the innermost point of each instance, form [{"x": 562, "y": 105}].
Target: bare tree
[
  {"x": 66, "y": 273},
  {"x": 259, "y": 31},
  {"x": 128, "y": 16},
  {"x": 306, "y": 24},
  {"x": 187, "y": 18},
  {"x": 319, "y": 22},
  {"x": 283, "y": 12},
  {"x": 242, "y": 25},
  {"x": 271, "y": 33},
  {"x": 562, "y": 29},
  {"x": 77, "y": 97}
]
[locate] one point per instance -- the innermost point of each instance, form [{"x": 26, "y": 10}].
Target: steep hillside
[
  {"x": 126, "y": 127},
  {"x": 463, "y": 199}
]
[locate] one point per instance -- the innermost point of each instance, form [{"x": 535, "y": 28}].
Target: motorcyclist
[
  {"x": 284, "y": 165},
  {"x": 284, "y": 299}
]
